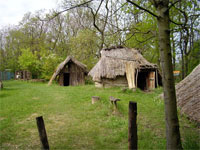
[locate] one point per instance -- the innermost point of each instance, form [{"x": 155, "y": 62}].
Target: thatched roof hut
[
  {"x": 188, "y": 95},
  {"x": 70, "y": 72},
  {"x": 121, "y": 66}
]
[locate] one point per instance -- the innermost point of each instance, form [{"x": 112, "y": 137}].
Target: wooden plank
[
  {"x": 130, "y": 74},
  {"x": 132, "y": 126},
  {"x": 151, "y": 80}
]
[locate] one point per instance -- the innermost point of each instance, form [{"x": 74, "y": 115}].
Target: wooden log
[
  {"x": 132, "y": 126},
  {"x": 95, "y": 99},
  {"x": 1, "y": 85},
  {"x": 42, "y": 133}
]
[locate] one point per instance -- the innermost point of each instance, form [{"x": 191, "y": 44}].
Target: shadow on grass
[
  {"x": 4, "y": 95},
  {"x": 9, "y": 89}
]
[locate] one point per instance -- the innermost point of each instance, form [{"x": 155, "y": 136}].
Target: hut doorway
[
  {"x": 141, "y": 80},
  {"x": 66, "y": 79},
  {"x": 146, "y": 80}
]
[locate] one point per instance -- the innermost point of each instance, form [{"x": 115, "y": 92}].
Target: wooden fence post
[
  {"x": 132, "y": 126},
  {"x": 42, "y": 133}
]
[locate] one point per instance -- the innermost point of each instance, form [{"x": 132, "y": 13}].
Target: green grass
[{"x": 72, "y": 122}]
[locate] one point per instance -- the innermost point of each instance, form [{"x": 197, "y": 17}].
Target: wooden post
[
  {"x": 115, "y": 105},
  {"x": 42, "y": 133},
  {"x": 136, "y": 78},
  {"x": 157, "y": 78},
  {"x": 1, "y": 85},
  {"x": 132, "y": 126}
]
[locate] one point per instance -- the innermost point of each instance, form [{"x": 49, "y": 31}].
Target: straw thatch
[
  {"x": 114, "y": 60},
  {"x": 188, "y": 95},
  {"x": 64, "y": 63}
]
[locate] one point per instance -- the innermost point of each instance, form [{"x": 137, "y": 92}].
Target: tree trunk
[
  {"x": 171, "y": 118},
  {"x": 173, "y": 53},
  {"x": 186, "y": 65},
  {"x": 182, "y": 58}
]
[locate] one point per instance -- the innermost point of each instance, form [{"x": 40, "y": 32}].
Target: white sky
[{"x": 12, "y": 11}]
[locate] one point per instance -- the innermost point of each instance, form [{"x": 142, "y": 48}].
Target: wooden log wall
[{"x": 77, "y": 76}]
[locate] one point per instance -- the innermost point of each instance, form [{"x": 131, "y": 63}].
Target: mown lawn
[{"x": 72, "y": 122}]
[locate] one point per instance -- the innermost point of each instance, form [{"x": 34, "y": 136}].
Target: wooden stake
[
  {"x": 132, "y": 126},
  {"x": 157, "y": 78},
  {"x": 42, "y": 133},
  {"x": 136, "y": 78}
]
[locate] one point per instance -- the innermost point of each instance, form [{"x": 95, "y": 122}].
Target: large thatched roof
[
  {"x": 64, "y": 63},
  {"x": 113, "y": 63},
  {"x": 188, "y": 95}
]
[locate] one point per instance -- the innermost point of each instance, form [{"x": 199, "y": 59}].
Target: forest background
[{"x": 42, "y": 40}]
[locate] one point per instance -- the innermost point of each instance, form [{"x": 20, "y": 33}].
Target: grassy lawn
[{"x": 72, "y": 122}]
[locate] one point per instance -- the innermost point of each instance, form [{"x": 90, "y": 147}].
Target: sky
[{"x": 12, "y": 11}]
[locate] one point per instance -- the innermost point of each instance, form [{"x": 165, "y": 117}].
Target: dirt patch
[
  {"x": 30, "y": 118},
  {"x": 9, "y": 146},
  {"x": 35, "y": 98},
  {"x": 1, "y": 118}
]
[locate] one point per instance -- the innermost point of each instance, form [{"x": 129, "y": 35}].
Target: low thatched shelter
[
  {"x": 124, "y": 67},
  {"x": 188, "y": 95},
  {"x": 70, "y": 72}
]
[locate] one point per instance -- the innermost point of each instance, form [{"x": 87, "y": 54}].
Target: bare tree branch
[
  {"x": 142, "y": 8},
  {"x": 176, "y": 23},
  {"x": 67, "y": 9},
  {"x": 173, "y": 4}
]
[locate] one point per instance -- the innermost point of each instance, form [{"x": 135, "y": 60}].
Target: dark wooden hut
[
  {"x": 70, "y": 72},
  {"x": 125, "y": 67}
]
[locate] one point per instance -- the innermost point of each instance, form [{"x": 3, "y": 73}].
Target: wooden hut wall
[
  {"x": 146, "y": 79},
  {"x": 118, "y": 81},
  {"x": 61, "y": 76},
  {"x": 61, "y": 79},
  {"x": 77, "y": 76}
]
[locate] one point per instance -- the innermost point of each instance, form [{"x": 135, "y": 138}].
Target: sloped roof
[
  {"x": 64, "y": 63},
  {"x": 113, "y": 62},
  {"x": 188, "y": 95}
]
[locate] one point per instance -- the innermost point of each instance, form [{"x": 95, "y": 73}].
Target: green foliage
[
  {"x": 74, "y": 34},
  {"x": 143, "y": 37},
  {"x": 194, "y": 56},
  {"x": 48, "y": 65},
  {"x": 29, "y": 61},
  {"x": 84, "y": 47}
]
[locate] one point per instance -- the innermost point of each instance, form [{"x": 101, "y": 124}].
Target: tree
[
  {"x": 163, "y": 20},
  {"x": 49, "y": 62},
  {"x": 28, "y": 61},
  {"x": 184, "y": 32},
  {"x": 84, "y": 47}
]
